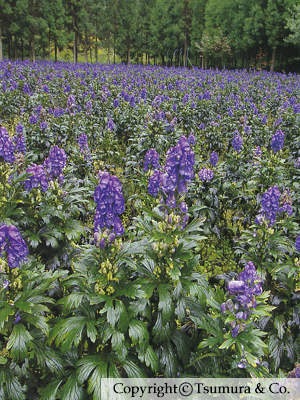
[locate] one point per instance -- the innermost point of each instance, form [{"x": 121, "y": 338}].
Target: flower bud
[
  {"x": 102, "y": 243},
  {"x": 111, "y": 237}
]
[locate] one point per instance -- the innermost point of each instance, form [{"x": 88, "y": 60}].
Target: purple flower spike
[
  {"x": 110, "y": 203},
  {"x": 214, "y": 158},
  {"x": 277, "y": 140},
  {"x": 297, "y": 244},
  {"x": 151, "y": 157},
  {"x": 237, "y": 143},
  {"x": 11, "y": 241}
]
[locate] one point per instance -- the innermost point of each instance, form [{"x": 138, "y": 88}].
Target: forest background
[{"x": 260, "y": 34}]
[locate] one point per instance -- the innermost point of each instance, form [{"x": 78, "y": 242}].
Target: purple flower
[
  {"x": 237, "y": 143},
  {"x": 110, "y": 125},
  {"x": 83, "y": 145},
  {"x": 297, "y": 244},
  {"x": 7, "y": 147},
  {"x": 19, "y": 129},
  {"x": 6, "y": 284},
  {"x": 258, "y": 219},
  {"x": 43, "y": 125},
  {"x": 20, "y": 145},
  {"x": 214, "y": 158},
  {"x": 206, "y": 175},
  {"x": 17, "y": 318},
  {"x": 116, "y": 103},
  {"x": 264, "y": 120},
  {"x": 71, "y": 102},
  {"x": 13, "y": 244},
  {"x": 154, "y": 183},
  {"x": 45, "y": 88},
  {"x": 32, "y": 119},
  {"x": 151, "y": 157},
  {"x": 38, "y": 178},
  {"x": 258, "y": 152},
  {"x": 235, "y": 331},
  {"x": 192, "y": 140},
  {"x": 270, "y": 204},
  {"x": 26, "y": 88},
  {"x": 277, "y": 140},
  {"x": 56, "y": 162},
  {"x": 110, "y": 203}
]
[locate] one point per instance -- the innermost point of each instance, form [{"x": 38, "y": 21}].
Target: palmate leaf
[
  {"x": 132, "y": 369},
  {"x": 72, "y": 390},
  {"x": 70, "y": 330},
  {"x": 139, "y": 333},
  {"x": 20, "y": 341},
  {"x": 165, "y": 304},
  {"x": 151, "y": 359},
  {"x": 95, "y": 367},
  {"x": 48, "y": 358},
  {"x": 14, "y": 390},
  {"x": 50, "y": 391}
]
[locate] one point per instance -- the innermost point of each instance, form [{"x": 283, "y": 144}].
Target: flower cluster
[
  {"x": 272, "y": 203},
  {"x": 13, "y": 244},
  {"x": 151, "y": 157},
  {"x": 83, "y": 146},
  {"x": 295, "y": 373},
  {"x": 206, "y": 175},
  {"x": 7, "y": 147},
  {"x": 55, "y": 164},
  {"x": 110, "y": 203},
  {"x": 297, "y": 244},
  {"x": 38, "y": 177},
  {"x": 237, "y": 143},
  {"x": 173, "y": 182},
  {"x": 20, "y": 144},
  {"x": 277, "y": 140},
  {"x": 214, "y": 158},
  {"x": 244, "y": 289}
]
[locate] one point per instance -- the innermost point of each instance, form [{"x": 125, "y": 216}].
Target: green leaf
[
  {"x": 279, "y": 324},
  {"x": 151, "y": 359},
  {"x": 227, "y": 344},
  {"x": 19, "y": 342},
  {"x": 165, "y": 304},
  {"x": 49, "y": 392},
  {"x": 15, "y": 389},
  {"x": 139, "y": 333},
  {"x": 3, "y": 360},
  {"x": 133, "y": 370},
  {"x": 72, "y": 389}
]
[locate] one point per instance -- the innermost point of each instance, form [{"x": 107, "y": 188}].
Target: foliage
[{"x": 159, "y": 289}]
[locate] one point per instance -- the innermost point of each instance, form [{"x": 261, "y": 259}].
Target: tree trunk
[
  {"x": 96, "y": 49},
  {"x": 184, "y": 51},
  {"x": 16, "y": 47},
  {"x": 1, "y": 55},
  {"x": 75, "y": 47},
  {"x": 33, "y": 49},
  {"x": 85, "y": 47},
  {"x": 273, "y": 60},
  {"x": 22, "y": 48},
  {"x": 8, "y": 42},
  {"x": 49, "y": 45},
  {"x": 128, "y": 54},
  {"x": 55, "y": 50},
  {"x": 108, "y": 51}
]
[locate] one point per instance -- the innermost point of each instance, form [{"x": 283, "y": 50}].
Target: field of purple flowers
[{"x": 149, "y": 225}]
